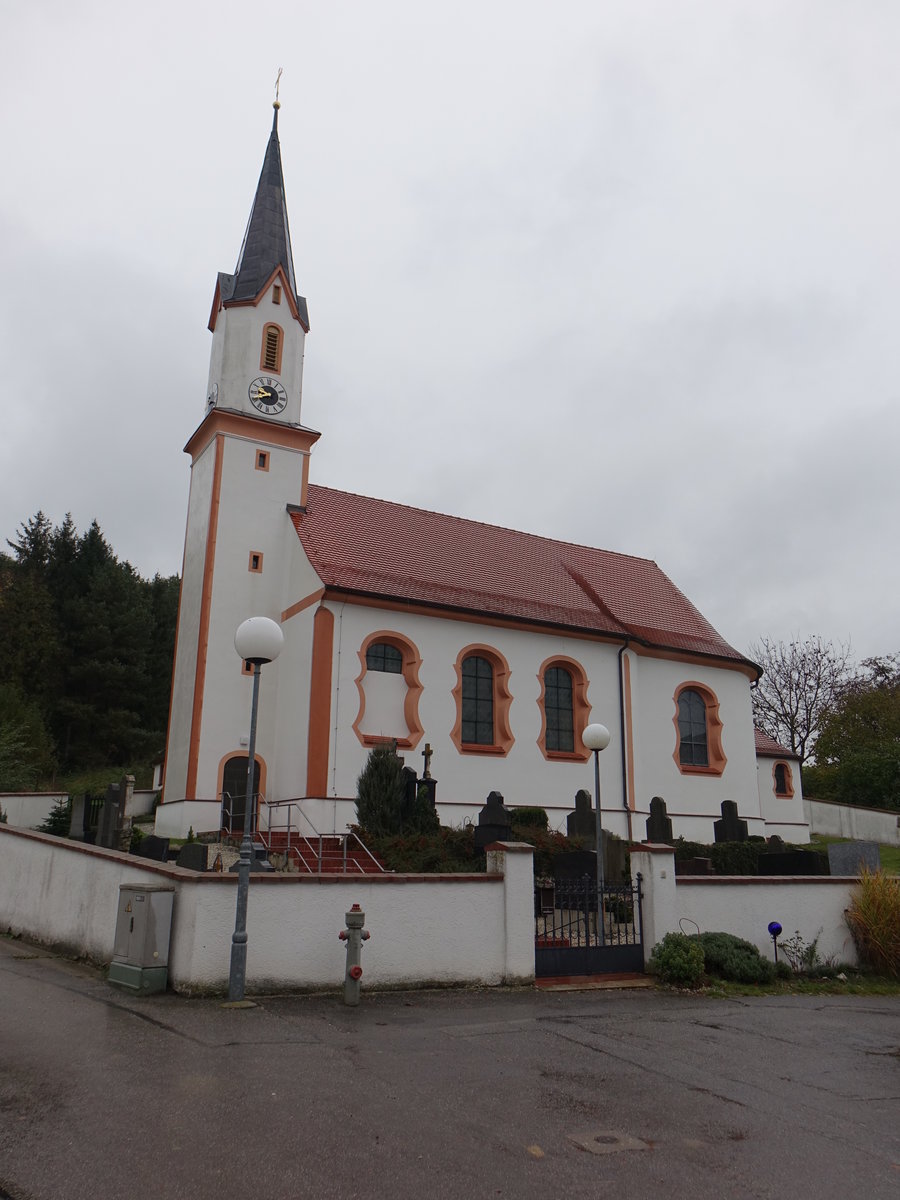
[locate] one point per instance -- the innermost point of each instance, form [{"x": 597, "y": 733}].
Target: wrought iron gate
[{"x": 569, "y": 940}]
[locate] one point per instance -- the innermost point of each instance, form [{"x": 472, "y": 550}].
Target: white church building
[{"x": 493, "y": 647}]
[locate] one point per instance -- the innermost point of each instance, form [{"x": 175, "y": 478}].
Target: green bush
[
  {"x": 782, "y": 970},
  {"x": 728, "y": 957},
  {"x": 58, "y": 819},
  {"x": 530, "y": 818},
  {"x": 678, "y": 959},
  {"x": 382, "y": 806},
  {"x": 874, "y": 920}
]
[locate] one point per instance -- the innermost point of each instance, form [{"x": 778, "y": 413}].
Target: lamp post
[
  {"x": 596, "y": 738},
  {"x": 258, "y": 640}
]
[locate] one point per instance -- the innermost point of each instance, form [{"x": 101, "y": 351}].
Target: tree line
[
  {"x": 85, "y": 656},
  {"x": 842, "y": 720}
]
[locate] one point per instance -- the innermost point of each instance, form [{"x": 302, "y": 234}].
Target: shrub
[
  {"x": 802, "y": 955},
  {"x": 382, "y": 805},
  {"x": 58, "y": 819},
  {"x": 782, "y": 970},
  {"x": 730, "y": 957},
  {"x": 678, "y": 959},
  {"x": 874, "y": 920},
  {"x": 529, "y": 818},
  {"x": 137, "y": 836}
]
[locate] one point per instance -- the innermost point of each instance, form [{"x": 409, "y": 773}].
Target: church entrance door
[{"x": 234, "y": 793}]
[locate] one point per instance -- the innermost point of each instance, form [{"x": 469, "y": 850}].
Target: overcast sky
[{"x": 618, "y": 272}]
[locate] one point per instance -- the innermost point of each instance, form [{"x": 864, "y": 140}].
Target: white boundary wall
[
  {"x": 743, "y": 905},
  {"x": 27, "y": 810},
  {"x": 850, "y": 821},
  {"x": 447, "y": 929}
]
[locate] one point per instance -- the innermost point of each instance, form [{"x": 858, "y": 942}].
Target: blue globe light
[{"x": 774, "y": 928}]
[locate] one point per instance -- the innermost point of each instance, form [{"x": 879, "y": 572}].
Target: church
[{"x": 491, "y": 647}]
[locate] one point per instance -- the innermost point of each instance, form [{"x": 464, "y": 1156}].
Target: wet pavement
[{"x": 453, "y": 1094}]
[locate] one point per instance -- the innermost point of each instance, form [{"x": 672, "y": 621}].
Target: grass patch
[
  {"x": 857, "y": 984},
  {"x": 890, "y": 855}
]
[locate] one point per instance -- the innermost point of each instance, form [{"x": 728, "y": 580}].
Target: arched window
[
  {"x": 477, "y": 701},
  {"x": 482, "y": 702},
  {"x": 382, "y": 656},
  {"x": 270, "y": 353},
  {"x": 692, "y": 748},
  {"x": 389, "y": 691},
  {"x": 558, "y": 707},
  {"x": 784, "y": 781},
  {"x": 564, "y": 709},
  {"x": 698, "y": 746}
]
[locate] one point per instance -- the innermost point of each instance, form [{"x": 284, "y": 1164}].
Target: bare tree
[{"x": 801, "y": 684}]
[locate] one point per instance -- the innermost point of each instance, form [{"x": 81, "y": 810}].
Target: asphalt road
[{"x": 440, "y": 1094}]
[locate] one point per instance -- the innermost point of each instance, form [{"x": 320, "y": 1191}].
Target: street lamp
[
  {"x": 596, "y": 738},
  {"x": 258, "y": 640}
]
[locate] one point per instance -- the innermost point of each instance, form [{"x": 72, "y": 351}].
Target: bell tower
[{"x": 249, "y": 462}]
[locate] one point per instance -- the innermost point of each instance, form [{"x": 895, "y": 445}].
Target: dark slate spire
[{"x": 267, "y": 241}]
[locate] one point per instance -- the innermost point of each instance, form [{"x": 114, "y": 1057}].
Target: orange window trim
[
  {"x": 788, "y": 793},
  {"x": 320, "y": 703},
  {"x": 241, "y": 752},
  {"x": 261, "y": 460},
  {"x": 412, "y": 661},
  {"x": 503, "y": 737},
  {"x": 255, "y": 568},
  {"x": 271, "y": 348},
  {"x": 190, "y": 784},
  {"x": 581, "y": 710},
  {"x": 714, "y": 751}
]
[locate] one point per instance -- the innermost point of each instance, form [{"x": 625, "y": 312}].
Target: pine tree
[{"x": 382, "y": 806}]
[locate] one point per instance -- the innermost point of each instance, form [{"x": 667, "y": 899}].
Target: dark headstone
[
  {"x": 575, "y": 863},
  {"x": 730, "y": 828},
  {"x": 659, "y": 824},
  {"x": 849, "y": 858},
  {"x": 259, "y": 862},
  {"x": 581, "y": 825},
  {"x": 194, "y": 856},
  {"x": 153, "y": 847},
  {"x": 775, "y": 844},
  {"x": 430, "y": 786},
  {"x": 78, "y": 818},
  {"x": 111, "y": 818},
  {"x": 410, "y": 786},
  {"x": 493, "y": 822},
  {"x": 792, "y": 862}
]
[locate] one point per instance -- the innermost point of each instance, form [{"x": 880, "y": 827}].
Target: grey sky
[{"x": 622, "y": 273}]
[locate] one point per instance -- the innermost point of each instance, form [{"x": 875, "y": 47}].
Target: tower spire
[{"x": 267, "y": 240}]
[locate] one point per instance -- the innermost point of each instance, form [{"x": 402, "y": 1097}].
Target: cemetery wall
[
  {"x": 743, "y": 905},
  {"x": 445, "y": 929},
  {"x": 27, "y": 810},
  {"x": 851, "y": 821}
]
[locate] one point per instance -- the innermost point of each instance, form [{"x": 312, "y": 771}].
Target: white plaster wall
[
  {"x": 235, "y": 356},
  {"x": 849, "y": 821},
  {"x": 176, "y": 818},
  {"x": 385, "y": 696},
  {"x": 524, "y": 776},
  {"x": 189, "y": 605},
  {"x": 654, "y": 683},
  {"x": 27, "y": 810},
  {"x": 784, "y": 814},
  {"x": 425, "y": 929}
]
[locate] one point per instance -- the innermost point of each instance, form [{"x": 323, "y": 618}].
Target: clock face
[{"x": 267, "y": 395}]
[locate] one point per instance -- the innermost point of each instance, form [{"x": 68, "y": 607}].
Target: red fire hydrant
[{"x": 354, "y": 935}]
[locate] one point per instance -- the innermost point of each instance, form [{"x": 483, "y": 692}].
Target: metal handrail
[{"x": 290, "y": 830}]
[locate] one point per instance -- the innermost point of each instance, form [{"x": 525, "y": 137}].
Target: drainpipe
[{"x": 622, "y": 650}]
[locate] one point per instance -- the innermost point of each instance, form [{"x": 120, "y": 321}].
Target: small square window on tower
[
  {"x": 262, "y": 460},
  {"x": 246, "y": 667},
  {"x": 256, "y": 560}
]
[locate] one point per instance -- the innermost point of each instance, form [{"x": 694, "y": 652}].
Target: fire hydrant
[{"x": 354, "y": 935}]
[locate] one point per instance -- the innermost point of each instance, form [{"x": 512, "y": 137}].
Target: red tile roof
[
  {"x": 379, "y": 549},
  {"x": 768, "y": 746}
]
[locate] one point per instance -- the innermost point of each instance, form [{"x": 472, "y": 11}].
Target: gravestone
[
  {"x": 576, "y": 863},
  {"x": 78, "y": 819},
  {"x": 792, "y": 862},
  {"x": 430, "y": 786},
  {"x": 154, "y": 847},
  {"x": 112, "y": 817},
  {"x": 659, "y": 823},
  {"x": 730, "y": 828},
  {"x": 581, "y": 825},
  {"x": 410, "y": 786},
  {"x": 493, "y": 822},
  {"x": 194, "y": 856},
  {"x": 849, "y": 858},
  {"x": 694, "y": 866},
  {"x": 775, "y": 844},
  {"x": 258, "y": 861}
]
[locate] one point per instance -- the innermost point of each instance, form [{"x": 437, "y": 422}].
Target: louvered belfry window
[{"x": 270, "y": 354}]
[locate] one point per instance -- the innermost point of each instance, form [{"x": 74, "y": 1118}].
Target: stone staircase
[{"x": 340, "y": 854}]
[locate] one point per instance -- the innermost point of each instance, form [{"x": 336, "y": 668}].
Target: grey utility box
[{"x": 144, "y": 922}]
